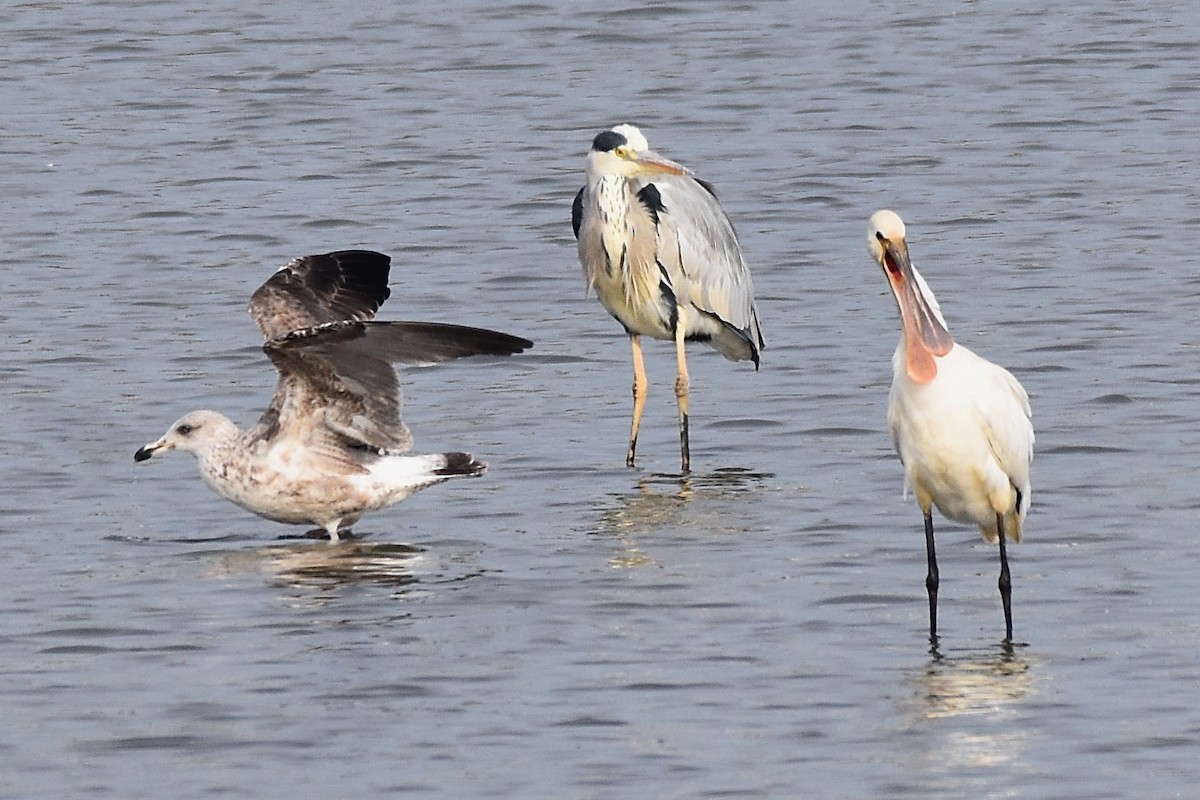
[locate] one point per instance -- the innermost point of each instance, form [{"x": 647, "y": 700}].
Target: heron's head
[
  {"x": 623, "y": 150},
  {"x": 925, "y": 332},
  {"x": 192, "y": 433}
]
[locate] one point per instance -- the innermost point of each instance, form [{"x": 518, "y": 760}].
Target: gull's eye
[{"x": 184, "y": 430}]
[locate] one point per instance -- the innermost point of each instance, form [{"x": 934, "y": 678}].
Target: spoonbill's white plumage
[{"x": 960, "y": 424}]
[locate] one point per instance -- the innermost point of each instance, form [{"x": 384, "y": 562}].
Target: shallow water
[{"x": 564, "y": 626}]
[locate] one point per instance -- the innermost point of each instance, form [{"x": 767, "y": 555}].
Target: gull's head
[
  {"x": 623, "y": 150},
  {"x": 193, "y": 433}
]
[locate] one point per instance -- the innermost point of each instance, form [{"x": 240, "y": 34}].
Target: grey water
[{"x": 565, "y": 627}]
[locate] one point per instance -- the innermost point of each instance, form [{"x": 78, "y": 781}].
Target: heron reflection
[{"x": 696, "y": 504}]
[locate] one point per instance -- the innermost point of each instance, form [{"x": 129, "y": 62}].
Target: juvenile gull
[{"x": 331, "y": 445}]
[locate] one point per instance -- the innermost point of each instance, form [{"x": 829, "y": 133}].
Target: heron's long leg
[
  {"x": 681, "y": 393},
  {"x": 1005, "y": 582},
  {"x": 639, "y": 397},
  {"x": 931, "y": 578}
]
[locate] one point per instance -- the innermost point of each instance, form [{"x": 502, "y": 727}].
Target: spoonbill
[{"x": 960, "y": 424}]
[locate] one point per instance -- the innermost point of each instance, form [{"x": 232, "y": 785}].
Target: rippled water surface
[{"x": 566, "y": 627}]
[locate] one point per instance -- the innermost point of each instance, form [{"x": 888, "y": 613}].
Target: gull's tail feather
[{"x": 460, "y": 464}]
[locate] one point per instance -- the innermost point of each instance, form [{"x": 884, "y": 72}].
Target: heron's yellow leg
[
  {"x": 639, "y": 397},
  {"x": 681, "y": 394}
]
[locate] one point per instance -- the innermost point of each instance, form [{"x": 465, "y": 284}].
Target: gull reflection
[
  {"x": 325, "y": 567},
  {"x": 696, "y": 503}
]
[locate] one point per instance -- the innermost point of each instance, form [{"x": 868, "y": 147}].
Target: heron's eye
[
  {"x": 621, "y": 152},
  {"x": 184, "y": 430}
]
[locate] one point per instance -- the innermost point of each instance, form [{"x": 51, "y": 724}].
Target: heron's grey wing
[
  {"x": 697, "y": 238},
  {"x": 589, "y": 232},
  {"x": 318, "y": 289}
]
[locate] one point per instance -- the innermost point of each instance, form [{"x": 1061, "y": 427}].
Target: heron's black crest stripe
[
  {"x": 652, "y": 200},
  {"x": 608, "y": 140},
  {"x": 708, "y": 187},
  {"x": 577, "y": 212}
]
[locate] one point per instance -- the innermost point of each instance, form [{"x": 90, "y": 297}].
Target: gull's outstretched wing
[
  {"x": 315, "y": 290},
  {"x": 337, "y": 404},
  {"x": 337, "y": 392}
]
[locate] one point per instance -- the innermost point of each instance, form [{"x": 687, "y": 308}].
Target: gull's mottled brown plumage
[
  {"x": 314, "y": 290},
  {"x": 330, "y": 444}
]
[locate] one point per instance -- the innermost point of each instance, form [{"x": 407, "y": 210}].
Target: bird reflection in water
[
  {"x": 695, "y": 503},
  {"x": 350, "y": 562},
  {"x": 966, "y": 709},
  {"x": 973, "y": 684}
]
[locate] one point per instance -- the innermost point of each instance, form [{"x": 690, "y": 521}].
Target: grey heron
[
  {"x": 960, "y": 424},
  {"x": 332, "y": 444},
  {"x": 664, "y": 260}
]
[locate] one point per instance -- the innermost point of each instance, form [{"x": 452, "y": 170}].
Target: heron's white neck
[{"x": 612, "y": 201}]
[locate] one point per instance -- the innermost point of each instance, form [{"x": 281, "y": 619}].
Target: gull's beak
[
  {"x": 651, "y": 161},
  {"x": 924, "y": 335},
  {"x": 144, "y": 453}
]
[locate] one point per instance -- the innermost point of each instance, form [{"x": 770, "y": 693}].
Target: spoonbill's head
[{"x": 924, "y": 331}]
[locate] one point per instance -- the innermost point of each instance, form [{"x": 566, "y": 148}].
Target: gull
[{"x": 331, "y": 445}]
